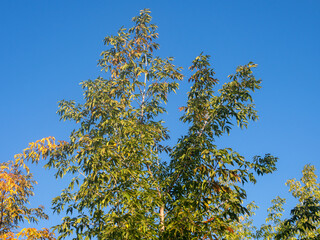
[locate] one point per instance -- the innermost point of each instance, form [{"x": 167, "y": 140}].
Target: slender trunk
[
  {"x": 161, "y": 210},
  {"x": 161, "y": 213},
  {"x": 144, "y": 90}
]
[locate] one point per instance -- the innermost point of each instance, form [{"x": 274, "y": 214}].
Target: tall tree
[
  {"x": 122, "y": 186},
  {"x": 205, "y": 192},
  {"x": 16, "y": 187}
]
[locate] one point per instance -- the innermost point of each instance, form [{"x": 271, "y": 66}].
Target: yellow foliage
[
  {"x": 33, "y": 234},
  {"x": 16, "y": 187},
  {"x": 37, "y": 150}
]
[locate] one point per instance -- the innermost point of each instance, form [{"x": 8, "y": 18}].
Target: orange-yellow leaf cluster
[
  {"x": 16, "y": 186},
  {"x": 37, "y": 150}
]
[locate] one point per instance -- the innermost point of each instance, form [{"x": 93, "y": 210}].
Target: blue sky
[{"x": 48, "y": 47}]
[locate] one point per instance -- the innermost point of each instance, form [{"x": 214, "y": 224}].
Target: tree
[
  {"x": 16, "y": 188},
  {"x": 128, "y": 183},
  {"x": 305, "y": 216}
]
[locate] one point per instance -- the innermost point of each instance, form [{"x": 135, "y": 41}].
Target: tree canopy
[{"x": 128, "y": 183}]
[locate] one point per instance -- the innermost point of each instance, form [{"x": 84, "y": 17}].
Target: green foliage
[
  {"x": 243, "y": 229},
  {"x": 273, "y": 221},
  {"x": 122, "y": 186},
  {"x": 205, "y": 194},
  {"x": 305, "y": 216},
  {"x": 305, "y": 220}
]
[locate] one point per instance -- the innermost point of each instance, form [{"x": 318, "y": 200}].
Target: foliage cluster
[
  {"x": 16, "y": 186},
  {"x": 304, "y": 223}
]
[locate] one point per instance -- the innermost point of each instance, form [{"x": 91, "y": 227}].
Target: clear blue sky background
[{"x": 48, "y": 47}]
